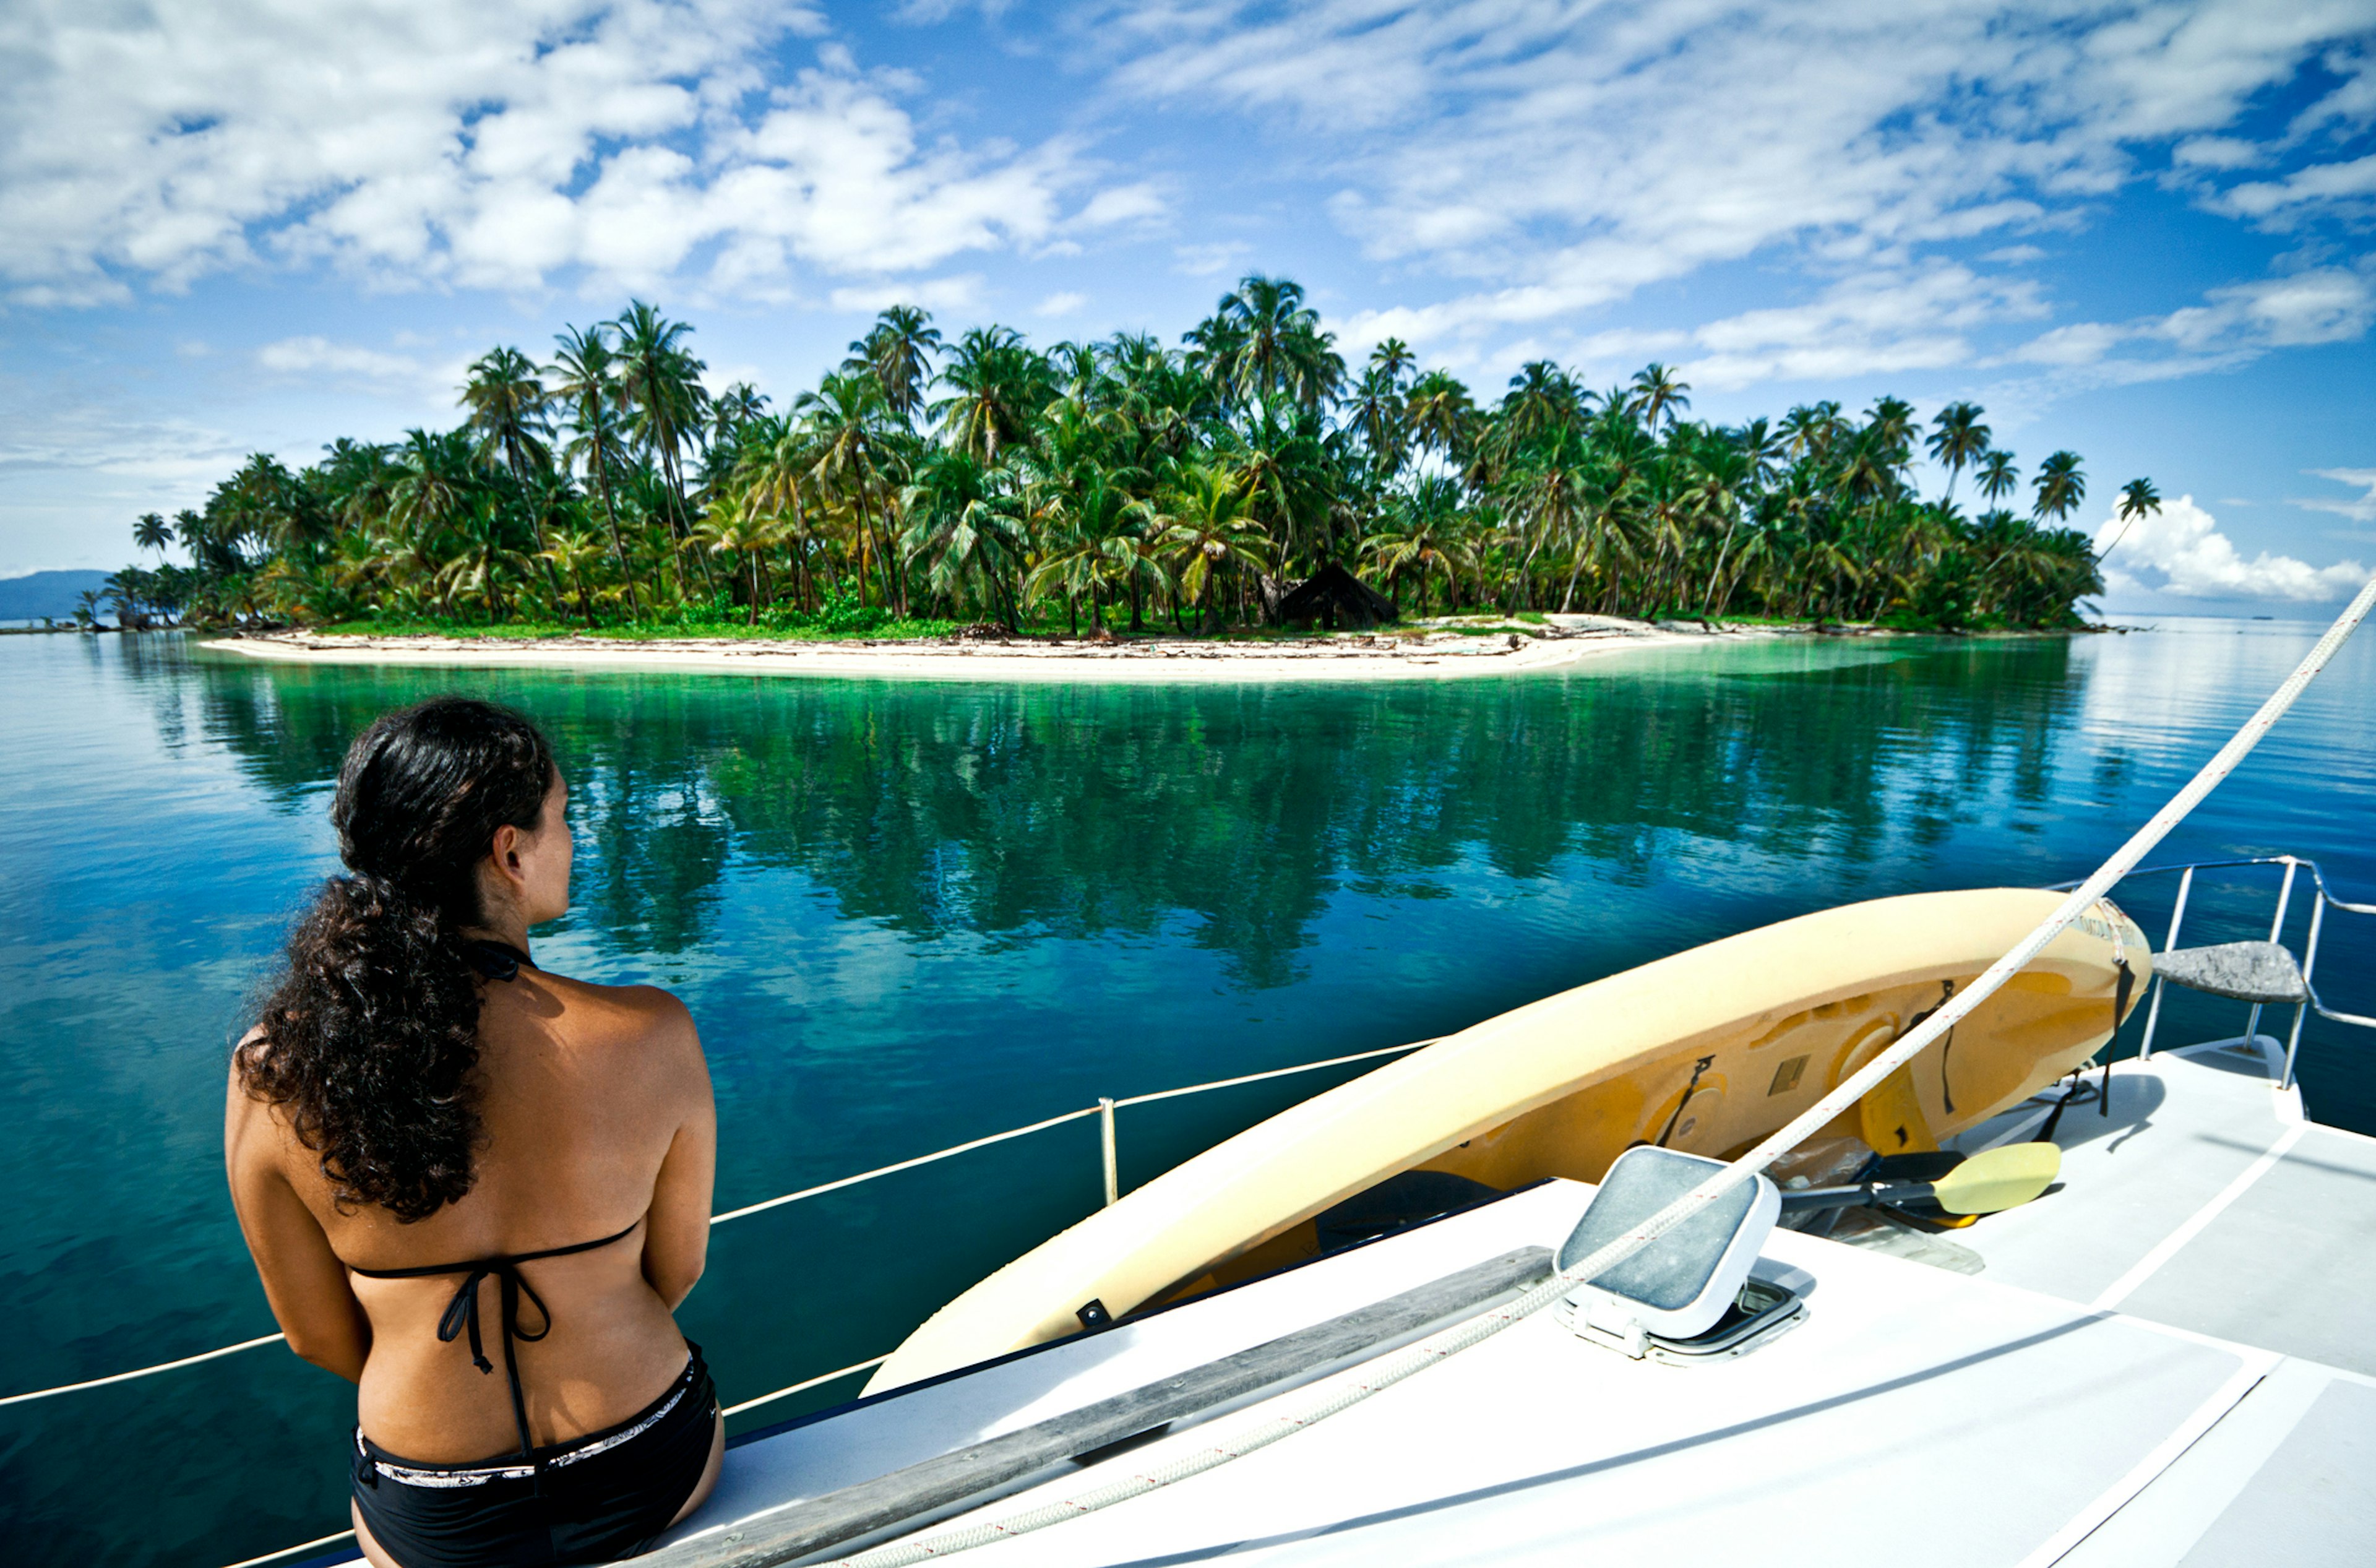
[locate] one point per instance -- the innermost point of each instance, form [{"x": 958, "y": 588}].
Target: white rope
[
  {"x": 762, "y": 1207},
  {"x": 1274, "y": 1073},
  {"x": 144, "y": 1371},
  {"x": 1339, "y": 1394},
  {"x": 904, "y": 1165},
  {"x": 802, "y": 1386},
  {"x": 292, "y": 1550}
]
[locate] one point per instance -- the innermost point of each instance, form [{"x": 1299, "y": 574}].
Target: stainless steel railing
[{"x": 2322, "y": 899}]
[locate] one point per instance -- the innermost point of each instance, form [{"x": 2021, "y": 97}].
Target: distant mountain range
[{"x": 37, "y": 594}]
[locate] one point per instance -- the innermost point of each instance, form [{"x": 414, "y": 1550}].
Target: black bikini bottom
[{"x": 606, "y": 1495}]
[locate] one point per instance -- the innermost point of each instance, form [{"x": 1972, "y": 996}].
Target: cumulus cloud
[
  {"x": 2180, "y": 551},
  {"x": 1551, "y": 159},
  {"x": 485, "y": 143},
  {"x": 1061, "y": 303}
]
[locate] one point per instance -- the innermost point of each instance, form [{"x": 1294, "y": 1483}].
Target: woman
[{"x": 432, "y": 1140}]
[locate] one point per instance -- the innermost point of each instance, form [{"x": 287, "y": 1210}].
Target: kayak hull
[{"x": 1709, "y": 1051}]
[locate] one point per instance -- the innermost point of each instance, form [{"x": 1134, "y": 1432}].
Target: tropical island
[{"x": 926, "y": 488}]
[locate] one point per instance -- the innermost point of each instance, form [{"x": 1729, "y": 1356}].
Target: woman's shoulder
[{"x": 642, "y": 1012}]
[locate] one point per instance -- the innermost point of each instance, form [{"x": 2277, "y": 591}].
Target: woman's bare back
[{"x": 596, "y": 1108}]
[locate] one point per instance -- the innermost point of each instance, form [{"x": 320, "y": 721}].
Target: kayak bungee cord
[{"x": 1342, "y": 1394}]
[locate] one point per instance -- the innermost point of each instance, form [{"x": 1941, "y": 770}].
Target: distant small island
[
  {"x": 48, "y": 596},
  {"x": 924, "y": 487}
]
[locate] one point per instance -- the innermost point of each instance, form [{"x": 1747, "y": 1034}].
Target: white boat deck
[{"x": 2166, "y": 1362}]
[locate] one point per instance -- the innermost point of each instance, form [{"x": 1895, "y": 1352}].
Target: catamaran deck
[{"x": 2171, "y": 1359}]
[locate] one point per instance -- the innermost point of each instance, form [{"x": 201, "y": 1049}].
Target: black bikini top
[{"x": 496, "y": 961}]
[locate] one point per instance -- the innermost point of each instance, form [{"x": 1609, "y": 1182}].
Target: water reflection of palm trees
[{"x": 1016, "y": 813}]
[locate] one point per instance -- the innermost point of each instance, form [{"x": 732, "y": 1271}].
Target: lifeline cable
[{"x": 1388, "y": 1371}]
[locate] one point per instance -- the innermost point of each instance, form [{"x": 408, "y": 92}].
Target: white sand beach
[{"x": 1409, "y": 654}]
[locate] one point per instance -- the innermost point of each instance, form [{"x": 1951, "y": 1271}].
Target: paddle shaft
[{"x": 1864, "y": 1195}]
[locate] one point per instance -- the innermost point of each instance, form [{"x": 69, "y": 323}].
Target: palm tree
[
  {"x": 486, "y": 550},
  {"x": 1957, "y": 439},
  {"x": 1997, "y": 477},
  {"x": 586, "y": 383},
  {"x": 1380, "y": 410},
  {"x": 1424, "y": 540},
  {"x": 576, "y": 552},
  {"x": 2060, "y": 487},
  {"x": 998, "y": 387},
  {"x": 1271, "y": 347},
  {"x": 960, "y": 521},
  {"x": 1200, "y": 522},
  {"x": 660, "y": 392},
  {"x": 437, "y": 484},
  {"x": 897, "y": 352},
  {"x": 510, "y": 409},
  {"x": 846, "y": 416},
  {"x": 2138, "y": 498},
  {"x": 1440, "y": 412},
  {"x": 746, "y": 534},
  {"x": 152, "y": 532},
  {"x": 1656, "y": 392}
]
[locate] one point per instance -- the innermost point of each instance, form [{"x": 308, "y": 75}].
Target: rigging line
[
  {"x": 1353, "y": 1387},
  {"x": 771, "y": 1203},
  {"x": 902, "y": 1165},
  {"x": 143, "y": 1372},
  {"x": 292, "y": 1550},
  {"x": 805, "y": 1385},
  {"x": 1274, "y": 1073}
]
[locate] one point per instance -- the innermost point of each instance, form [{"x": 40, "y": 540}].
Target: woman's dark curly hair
[{"x": 370, "y": 1038}]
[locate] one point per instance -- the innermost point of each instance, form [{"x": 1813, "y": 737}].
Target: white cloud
[
  {"x": 2243, "y": 321},
  {"x": 2321, "y": 185},
  {"x": 316, "y": 355},
  {"x": 2180, "y": 551},
  {"x": 483, "y": 143},
  {"x": 1547, "y": 160},
  {"x": 431, "y": 377},
  {"x": 1866, "y": 324},
  {"x": 933, "y": 293},
  {"x": 1208, "y": 260},
  {"x": 2361, "y": 509},
  {"x": 2218, "y": 153},
  {"x": 1061, "y": 304},
  {"x": 1124, "y": 204}
]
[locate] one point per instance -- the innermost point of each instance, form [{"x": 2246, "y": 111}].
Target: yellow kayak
[{"x": 1707, "y": 1051}]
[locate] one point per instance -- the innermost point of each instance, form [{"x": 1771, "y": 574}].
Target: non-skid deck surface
[{"x": 2172, "y": 1209}]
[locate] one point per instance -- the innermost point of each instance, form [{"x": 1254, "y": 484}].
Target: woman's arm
[
  {"x": 678, "y": 1242},
  {"x": 303, "y": 1280}
]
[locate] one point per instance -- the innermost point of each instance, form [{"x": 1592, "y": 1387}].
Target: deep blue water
[{"x": 908, "y": 915}]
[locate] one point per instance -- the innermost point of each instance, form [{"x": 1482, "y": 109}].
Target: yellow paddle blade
[{"x": 1998, "y": 1179}]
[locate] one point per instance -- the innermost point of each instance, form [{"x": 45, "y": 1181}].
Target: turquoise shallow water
[{"x": 908, "y": 915}]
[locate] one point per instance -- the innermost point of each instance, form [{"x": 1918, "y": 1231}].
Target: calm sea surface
[{"x": 905, "y": 916}]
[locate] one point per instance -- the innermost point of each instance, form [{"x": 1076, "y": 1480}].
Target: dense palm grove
[{"x": 1122, "y": 481}]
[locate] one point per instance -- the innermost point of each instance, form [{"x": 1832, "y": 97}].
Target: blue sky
[{"x": 2140, "y": 230}]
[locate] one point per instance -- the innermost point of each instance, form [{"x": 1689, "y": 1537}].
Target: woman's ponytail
[{"x": 370, "y": 1041}]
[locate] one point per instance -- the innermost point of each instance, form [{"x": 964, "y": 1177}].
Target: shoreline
[{"x": 1351, "y": 656}]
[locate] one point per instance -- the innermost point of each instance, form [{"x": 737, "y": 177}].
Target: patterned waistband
[{"x": 569, "y": 1454}]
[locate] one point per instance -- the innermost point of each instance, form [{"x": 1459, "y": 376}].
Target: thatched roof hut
[{"x": 1332, "y": 596}]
